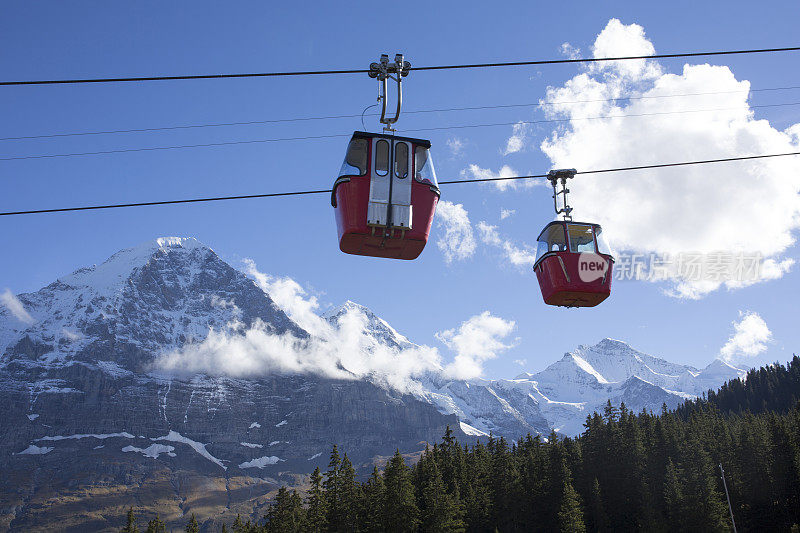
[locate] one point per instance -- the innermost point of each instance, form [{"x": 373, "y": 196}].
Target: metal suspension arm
[
  {"x": 560, "y": 177},
  {"x": 384, "y": 71}
]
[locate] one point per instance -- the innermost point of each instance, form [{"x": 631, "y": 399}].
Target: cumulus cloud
[
  {"x": 744, "y": 207},
  {"x": 516, "y": 255},
  {"x": 521, "y": 362},
  {"x": 749, "y": 339},
  {"x": 15, "y": 307},
  {"x": 476, "y": 340},
  {"x": 505, "y": 213},
  {"x": 344, "y": 350},
  {"x": 458, "y": 240},
  {"x": 516, "y": 142}
]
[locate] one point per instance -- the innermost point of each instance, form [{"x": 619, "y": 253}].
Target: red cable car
[
  {"x": 574, "y": 264},
  {"x": 386, "y": 192},
  {"x": 385, "y": 196}
]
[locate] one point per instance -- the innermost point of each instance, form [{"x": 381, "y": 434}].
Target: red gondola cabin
[
  {"x": 385, "y": 196},
  {"x": 573, "y": 264}
]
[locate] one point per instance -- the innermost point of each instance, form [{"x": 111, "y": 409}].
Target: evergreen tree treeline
[{"x": 626, "y": 472}]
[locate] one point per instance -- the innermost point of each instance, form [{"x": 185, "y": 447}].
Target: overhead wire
[
  {"x": 423, "y": 68},
  {"x": 411, "y": 112},
  {"x": 412, "y": 130},
  {"x": 451, "y": 182}
]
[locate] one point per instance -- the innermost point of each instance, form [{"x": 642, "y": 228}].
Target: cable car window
[
  {"x": 423, "y": 166},
  {"x": 602, "y": 244},
  {"x": 401, "y": 160},
  {"x": 382, "y": 157},
  {"x": 355, "y": 162},
  {"x": 552, "y": 239},
  {"x": 580, "y": 238}
]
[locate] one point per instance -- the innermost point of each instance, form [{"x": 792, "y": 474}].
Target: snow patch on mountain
[
  {"x": 261, "y": 462},
  {"x": 200, "y": 448},
  {"x": 152, "y": 451}
]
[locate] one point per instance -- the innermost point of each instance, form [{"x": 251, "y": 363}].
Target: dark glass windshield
[
  {"x": 580, "y": 238},
  {"x": 355, "y": 162},
  {"x": 423, "y": 164},
  {"x": 552, "y": 239}
]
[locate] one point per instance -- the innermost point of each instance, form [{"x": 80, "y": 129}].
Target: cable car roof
[
  {"x": 571, "y": 222},
  {"x": 367, "y": 135}
]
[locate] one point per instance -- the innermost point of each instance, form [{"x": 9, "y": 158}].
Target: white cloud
[
  {"x": 516, "y": 255},
  {"x": 749, "y": 339},
  {"x": 292, "y": 298},
  {"x": 476, "y": 340},
  {"x": 347, "y": 351},
  {"x": 521, "y": 362},
  {"x": 516, "y": 142},
  {"x": 570, "y": 51},
  {"x": 456, "y": 146},
  {"x": 505, "y": 213},
  {"x": 16, "y": 308},
  {"x": 344, "y": 353},
  {"x": 458, "y": 240},
  {"x": 618, "y": 40},
  {"x": 477, "y": 173},
  {"x": 746, "y": 207}
]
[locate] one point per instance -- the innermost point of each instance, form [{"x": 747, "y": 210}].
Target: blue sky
[{"x": 296, "y": 237}]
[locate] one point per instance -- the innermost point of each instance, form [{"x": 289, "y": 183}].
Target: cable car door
[{"x": 390, "y": 185}]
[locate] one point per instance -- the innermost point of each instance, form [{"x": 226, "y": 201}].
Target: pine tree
[
  {"x": 599, "y": 520},
  {"x": 239, "y": 526},
  {"x": 130, "y": 525},
  {"x": 349, "y": 497},
  {"x": 156, "y": 526},
  {"x": 570, "y": 516},
  {"x": 192, "y": 526},
  {"x": 673, "y": 497},
  {"x": 400, "y": 510},
  {"x": 286, "y": 513},
  {"x": 374, "y": 495},
  {"x": 315, "y": 500},
  {"x": 440, "y": 511},
  {"x": 331, "y": 485}
]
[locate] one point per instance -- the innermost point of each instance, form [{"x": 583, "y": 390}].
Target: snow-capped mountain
[
  {"x": 375, "y": 327},
  {"x": 562, "y": 395},
  {"x": 140, "y": 302},
  {"x": 84, "y": 400}
]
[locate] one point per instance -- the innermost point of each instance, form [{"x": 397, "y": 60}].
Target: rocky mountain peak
[
  {"x": 375, "y": 327},
  {"x": 141, "y": 301}
]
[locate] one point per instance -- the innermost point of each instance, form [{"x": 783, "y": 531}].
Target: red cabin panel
[{"x": 561, "y": 282}]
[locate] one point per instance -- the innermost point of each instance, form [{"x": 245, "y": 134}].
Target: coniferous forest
[{"x": 626, "y": 472}]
